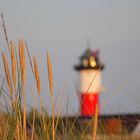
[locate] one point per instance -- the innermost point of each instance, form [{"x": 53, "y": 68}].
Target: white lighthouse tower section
[{"x": 90, "y": 81}]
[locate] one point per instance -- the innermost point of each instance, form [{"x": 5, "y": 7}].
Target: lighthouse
[{"x": 90, "y": 74}]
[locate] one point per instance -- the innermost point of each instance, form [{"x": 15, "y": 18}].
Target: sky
[{"x": 62, "y": 29}]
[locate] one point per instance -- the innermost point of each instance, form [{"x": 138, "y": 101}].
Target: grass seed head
[
  {"x": 37, "y": 76},
  {"x": 22, "y": 59},
  {"x": 6, "y": 68},
  {"x": 13, "y": 62},
  {"x": 50, "y": 74}
]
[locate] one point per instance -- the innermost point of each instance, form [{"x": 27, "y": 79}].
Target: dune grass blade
[
  {"x": 85, "y": 130},
  {"x": 5, "y": 32},
  {"x": 37, "y": 76},
  {"x": 6, "y": 68},
  {"x": 32, "y": 136},
  {"x": 17, "y": 130},
  {"x": 95, "y": 122},
  {"x": 22, "y": 62},
  {"x": 13, "y": 62},
  {"x": 50, "y": 76},
  {"x": 30, "y": 60},
  {"x": 23, "y": 78}
]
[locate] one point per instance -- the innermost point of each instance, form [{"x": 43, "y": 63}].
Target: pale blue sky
[{"x": 62, "y": 27}]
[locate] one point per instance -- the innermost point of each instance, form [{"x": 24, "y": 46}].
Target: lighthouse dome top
[{"x": 90, "y": 60}]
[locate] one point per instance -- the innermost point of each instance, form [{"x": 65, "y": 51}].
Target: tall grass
[
  {"x": 22, "y": 59},
  {"x": 95, "y": 125},
  {"x": 17, "y": 124},
  {"x": 37, "y": 76},
  {"x": 13, "y": 62},
  {"x": 50, "y": 76},
  {"x": 21, "y": 126},
  {"x": 7, "y": 73},
  {"x": 47, "y": 128}
]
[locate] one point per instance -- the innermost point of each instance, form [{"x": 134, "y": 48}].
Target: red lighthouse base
[{"x": 88, "y": 104}]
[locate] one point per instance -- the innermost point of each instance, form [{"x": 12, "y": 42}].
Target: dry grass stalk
[
  {"x": 13, "y": 62},
  {"x": 5, "y": 31},
  {"x": 33, "y": 125},
  {"x": 6, "y": 68},
  {"x": 22, "y": 62},
  {"x": 23, "y": 77},
  {"x": 50, "y": 75},
  {"x": 17, "y": 130},
  {"x": 37, "y": 76},
  {"x": 95, "y": 122},
  {"x": 30, "y": 60}
]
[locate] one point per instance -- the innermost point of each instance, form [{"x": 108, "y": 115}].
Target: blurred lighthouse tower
[{"x": 90, "y": 70}]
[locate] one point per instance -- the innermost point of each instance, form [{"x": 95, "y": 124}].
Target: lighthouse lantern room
[{"x": 89, "y": 69}]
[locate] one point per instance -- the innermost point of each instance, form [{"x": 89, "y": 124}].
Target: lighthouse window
[
  {"x": 85, "y": 62},
  {"x": 92, "y": 62}
]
